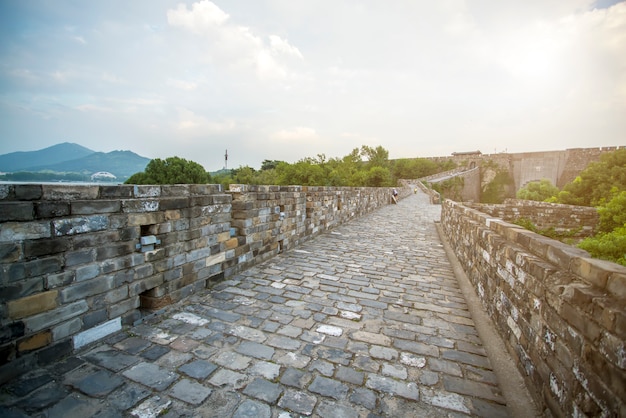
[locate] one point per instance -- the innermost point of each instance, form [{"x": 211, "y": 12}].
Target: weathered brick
[
  {"x": 80, "y": 225},
  {"x": 11, "y": 332},
  {"x": 87, "y": 288},
  {"x": 34, "y": 342},
  {"x": 28, "y": 191},
  {"x": 118, "y": 191},
  {"x": 92, "y": 207},
  {"x": 16, "y": 211},
  {"x": 45, "y": 210},
  {"x": 47, "y": 319},
  {"x": 10, "y": 252},
  {"x": 139, "y": 219},
  {"x": 44, "y": 247},
  {"x": 69, "y": 193},
  {"x": 21, "y": 288},
  {"x": 42, "y": 266},
  {"x": 31, "y": 305},
  {"x": 20, "y": 231}
]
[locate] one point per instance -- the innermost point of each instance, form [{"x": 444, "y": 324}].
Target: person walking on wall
[{"x": 394, "y": 196}]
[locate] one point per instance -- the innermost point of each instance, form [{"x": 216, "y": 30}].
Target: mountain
[
  {"x": 73, "y": 158},
  {"x": 19, "y": 161}
]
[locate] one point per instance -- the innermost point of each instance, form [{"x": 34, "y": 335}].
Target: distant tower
[{"x": 226, "y": 160}]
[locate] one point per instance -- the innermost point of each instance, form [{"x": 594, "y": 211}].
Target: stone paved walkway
[{"x": 364, "y": 321}]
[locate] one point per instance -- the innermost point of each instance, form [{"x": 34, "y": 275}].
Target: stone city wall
[
  {"x": 79, "y": 262},
  {"x": 578, "y": 221},
  {"x": 561, "y": 314}
]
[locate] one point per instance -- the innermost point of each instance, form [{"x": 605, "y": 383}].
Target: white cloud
[
  {"x": 299, "y": 134},
  {"x": 232, "y": 45},
  {"x": 203, "y": 16},
  {"x": 182, "y": 84},
  {"x": 192, "y": 125}
]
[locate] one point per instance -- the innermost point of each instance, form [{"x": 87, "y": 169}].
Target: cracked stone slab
[{"x": 190, "y": 392}]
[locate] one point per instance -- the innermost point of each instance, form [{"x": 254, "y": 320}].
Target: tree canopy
[
  {"x": 538, "y": 190},
  {"x": 597, "y": 183},
  {"x": 172, "y": 170}
]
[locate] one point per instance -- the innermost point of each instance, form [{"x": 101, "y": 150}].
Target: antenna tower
[{"x": 226, "y": 160}]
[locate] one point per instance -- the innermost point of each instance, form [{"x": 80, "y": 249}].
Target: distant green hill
[
  {"x": 72, "y": 158},
  {"x": 23, "y": 160}
]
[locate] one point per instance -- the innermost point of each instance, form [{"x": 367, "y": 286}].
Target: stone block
[
  {"x": 31, "y": 305},
  {"x": 45, "y": 210},
  {"x": 10, "y": 252},
  {"x": 11, "y": 332},
  {"x": 49, "y": 318},
  {"x": 92, "y": 207},
  {"x": 44, "y": 247},
  {"x": 28, "y": 191},
  {"x": 16, "y": 211},
  {"x": 82, "y": 290},
  {"x": 80, "y": 225},
  {"x": 69, "y": 192},
  {"x": 34, "y": 342},
  {"x": 97, "y": 333},
  {"x": 21, "y": 288},
  {"x": 20, "y": 231},
  {"x": 66, "y": 329},
  {"x": 140, "y": 219}
]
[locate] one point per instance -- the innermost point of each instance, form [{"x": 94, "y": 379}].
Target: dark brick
[
  {"x": 10, "y": 252},
  {"x": 44, "y": 266},
  {"x": 114, "y": 251},
  {"x": 16, "y": 211},
  {"x": 28, "y": 191},
  {"x": 46, "y": 246},
  {"x": 174, "y": 203},
  {"x": 121, "y": 191},
  {"x": 11, "y": 331},
  {"x": 21, "y": 288},
  {"x": 51, "y": 209},
  {"x": 91, "y": 207},
  {"x": 94, "y": 318}
]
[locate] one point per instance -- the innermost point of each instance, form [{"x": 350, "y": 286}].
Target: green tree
[
  {"x": 613, "y": 213},
  {"x": 610, "y": 246},
  {"x": 379, "y": 177},
  {"x": 172, "y": 170},
  {"x": 538, "y": 191},
  {"x": 376, "y": 157},
  {"x": 597, "y": 182}
]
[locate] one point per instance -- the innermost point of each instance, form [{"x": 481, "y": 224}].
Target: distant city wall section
[
  {"x": 77, "y": 263},
  {"x": 560, "y": 167},
  {"x": 573, "y": 221},
  {"x": 561, "y": 314}
]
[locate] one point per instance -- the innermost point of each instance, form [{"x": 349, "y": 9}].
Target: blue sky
[{"x": 284, "y": 79}]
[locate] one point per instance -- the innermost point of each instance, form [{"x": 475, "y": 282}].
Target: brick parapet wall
[
  {"x": 71, "y": 271},
  {"x": 580, "y": 221},
  {"x": 561, "y": 313}
]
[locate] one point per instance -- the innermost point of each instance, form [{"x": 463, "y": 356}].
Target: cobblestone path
[{"x": 365, "y": 321}]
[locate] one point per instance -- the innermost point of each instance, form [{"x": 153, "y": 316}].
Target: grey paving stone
[
  {"x": 228, "y": 378},
  {"x": 364, "y": 397},
  {"x": 99, "y": 384},
  {"x": 155, "y": 352},
  {"x": 151, "y": 375},
  {"x": 291, "y": 359},
  {"x": 253, "y": 349},
  {"x": 26, "y": 385},
  {"x": 335, "y": 355},
  {"x": 383, "y": 353},
  {"x": 295, "y": 378},
  {"x": 394, "y": 370},
  {"x": 268, "y": 370},
  {"x": 128, "y": 396},
  {"x": 190, "y": 391},
  {"x": 74, "y": 406},
  {"x": 263, "y": 390},
  {"x": 392, "y": 386},
  {"x": 328, "y": 409},
  {"x": 300, "y": 402},
  {"x": 467, "y": 358},
  {"x": 232, "y": 360},
  {"x": 328, "y": 387},
  {"x": 252, "y": 409},
  {"x": 6, "y": 412},
  {"x": 350, "y": 375},
  {"x": 112, "y": 359},
  {"x": 133, "y": 345},
  {"x": 285, "y": 343},
  {"x": 198, "y": 369},
  {"x": 323, "y": 367},
  {"x": 43, "y": 398}
]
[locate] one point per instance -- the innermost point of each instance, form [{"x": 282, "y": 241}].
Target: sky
[{"x": 291, "y": 79}]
